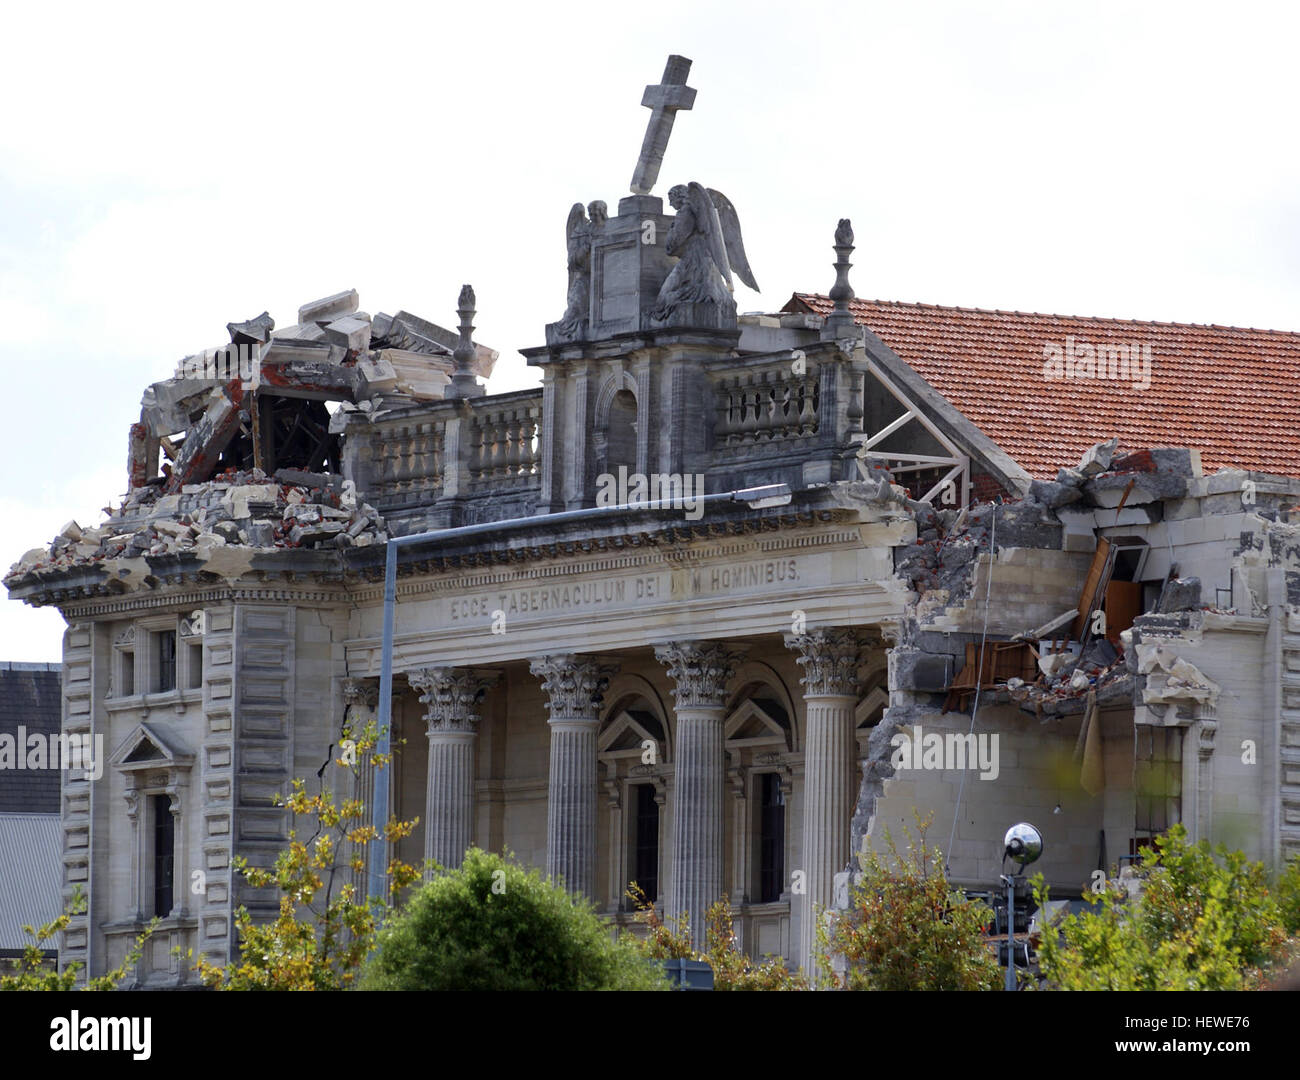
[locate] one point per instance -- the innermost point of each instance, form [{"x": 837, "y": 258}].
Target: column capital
[
  {"x": 452, "y": 695},
  {"x": 361, "y": 692},
  {"x": 701, "y": 671},
  {"x": 574, "y": 684},
  {"x": 830, "y": 659}
]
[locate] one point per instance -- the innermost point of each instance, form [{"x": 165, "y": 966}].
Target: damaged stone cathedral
[{"x": 842, "y": 563}]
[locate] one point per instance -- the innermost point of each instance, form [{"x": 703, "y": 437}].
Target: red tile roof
[{"x": 1232, "y": 393}]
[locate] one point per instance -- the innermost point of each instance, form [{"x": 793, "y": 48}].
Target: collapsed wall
[{"x": 1008, "y": 610}]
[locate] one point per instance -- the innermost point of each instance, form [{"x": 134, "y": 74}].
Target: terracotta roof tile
[{"x": 1230, "y": 392}]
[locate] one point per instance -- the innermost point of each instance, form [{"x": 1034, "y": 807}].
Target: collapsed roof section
[{"x": 262, "y": 402}]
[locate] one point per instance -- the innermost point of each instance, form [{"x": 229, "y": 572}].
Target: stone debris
[
  {"x": 206, "y": 419},
  {"x": 247, "y": 510}
]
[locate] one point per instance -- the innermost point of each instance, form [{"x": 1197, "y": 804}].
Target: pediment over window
[
  {"x": 148, "y": 747},
  {"x": 758, "y": 723},
  {"x": 626, "y": 731}
]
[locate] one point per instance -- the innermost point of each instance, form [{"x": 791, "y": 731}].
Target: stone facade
[{"x": 701, "y": 696}]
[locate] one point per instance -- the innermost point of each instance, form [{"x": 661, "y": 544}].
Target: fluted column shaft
[
  {"x": 701, "y": 672},
  {"x": 698, "y": 805},
  {"x": 573, "y": 685},
  {"x": 452, "y": 696},
  {"x": 449, "y": 805},
  {"x": 830, "y": 661}
]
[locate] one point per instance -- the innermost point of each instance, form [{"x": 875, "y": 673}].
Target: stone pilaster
[
  {"x": 830, "y": 660},
  {"x": 573, "y": 685},
  {"x": 452, "y": 697},
  {"x": 701, "y": 672}
]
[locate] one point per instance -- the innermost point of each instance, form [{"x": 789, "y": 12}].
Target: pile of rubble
[
  {"x": 250, "y": 510},
  {"x": 1071, "y": 675}
]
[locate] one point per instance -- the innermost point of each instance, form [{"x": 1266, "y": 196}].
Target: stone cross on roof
[{"x": 663, "y": 100}]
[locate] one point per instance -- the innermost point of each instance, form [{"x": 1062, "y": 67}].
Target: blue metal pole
[{"x": 377, "y": 890}]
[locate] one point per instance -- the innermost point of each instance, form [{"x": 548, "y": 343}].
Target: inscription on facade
[{"x": 736, "y": 578}]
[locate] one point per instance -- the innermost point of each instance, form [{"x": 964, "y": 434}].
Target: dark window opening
[
  {"x": 771, "y": 842},
  {"x": 164, "y": 661},
  {"x": 645, "y": 841},
  {"x": 127, "y": 673},
  {"x": 164, "y": 854},
  {"x": 1159, "y": 778},
  {"x": 196, "y": 666}
]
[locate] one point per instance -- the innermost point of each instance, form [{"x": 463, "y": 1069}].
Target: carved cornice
[
  {"x": 574, "y": 684},
  {"x": 830, "y": 659},
  {"x": 452, "y": 696},
  {"x": 701, "y": 671}
]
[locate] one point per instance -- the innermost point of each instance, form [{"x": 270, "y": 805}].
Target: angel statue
[
  {"x": 578, "y": 233},
  {"x": 705, "y": 238}
]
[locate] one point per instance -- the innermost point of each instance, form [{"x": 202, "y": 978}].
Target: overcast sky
[{"x": 167, "y": 169}]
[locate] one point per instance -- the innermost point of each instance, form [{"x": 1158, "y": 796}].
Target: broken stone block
[
  {"x": 1053, "y": 495},
  {"x": 378, "y": 376},
  {"x": 1181, "y": 594},
  {"x": 1096, "y": 458},
  {"x": 1070, "y": 477},
  {"x": 255, "y": 331},
  {"x": 329, "y": 308},
  {"x": 351, "y": 332},
  {"x": 260, "y": 534},
  {"x": 71, "y": 530},
  {"x": 1100, "y": 652},
  {"x": 228, "y": 531}
]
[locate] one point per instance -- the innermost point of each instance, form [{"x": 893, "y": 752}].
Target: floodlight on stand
[
  {"x": 759, "y": 498},
  {"x": 1023, "y": 843}
]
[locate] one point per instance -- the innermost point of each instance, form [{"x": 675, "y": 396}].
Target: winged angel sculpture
[{"x": 705, "y": 238}]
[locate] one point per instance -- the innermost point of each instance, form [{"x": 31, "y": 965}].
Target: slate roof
[
  {"x": 30, "y": 697},
  {"x": 30, "y": 866},
  {"x": 1230, "y": 392}
]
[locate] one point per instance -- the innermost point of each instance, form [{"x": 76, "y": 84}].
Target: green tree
[
  {"x": 1198, "y": 923},
  {"x": 30, "y": 972},
  {"x": 323, "y": 931},
  {"x": 906, "y": 928},
  {"x": 494, "y": 925}
]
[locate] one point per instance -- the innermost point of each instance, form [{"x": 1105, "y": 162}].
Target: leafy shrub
[
  {"x": 1288, "y": 895},
  {"x": 494, "y": 925},
  {"x": 906, "y": 928},
  {"x": 732, "y": 969},
  {"x": 30, "y": 971},
  {"x": 323, "y": 930},
  {"x": 1199, "y": 923}
]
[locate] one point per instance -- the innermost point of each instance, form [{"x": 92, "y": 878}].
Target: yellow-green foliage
[
  {"x": 906, "y": 928},
  {"x": 1199, "y": 923}
]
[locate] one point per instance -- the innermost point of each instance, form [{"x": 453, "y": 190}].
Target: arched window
[{"x": 620, "y": 432}]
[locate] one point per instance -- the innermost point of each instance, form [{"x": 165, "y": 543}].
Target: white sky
[{"x": 165, "y": 169}]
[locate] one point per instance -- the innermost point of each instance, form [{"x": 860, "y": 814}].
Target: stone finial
[
  {"x": 463, "y": 383},
  {"x": 840, "y": 323}
]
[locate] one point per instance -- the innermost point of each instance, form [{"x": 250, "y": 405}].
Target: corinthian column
[
  {"x": 360, "y": 699},
  {"x": 452, "y": 696},
  {"x": 573, "y": 685},
  {"x": 830, "y": 662},
  {"x": 701, "y": 672}
]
